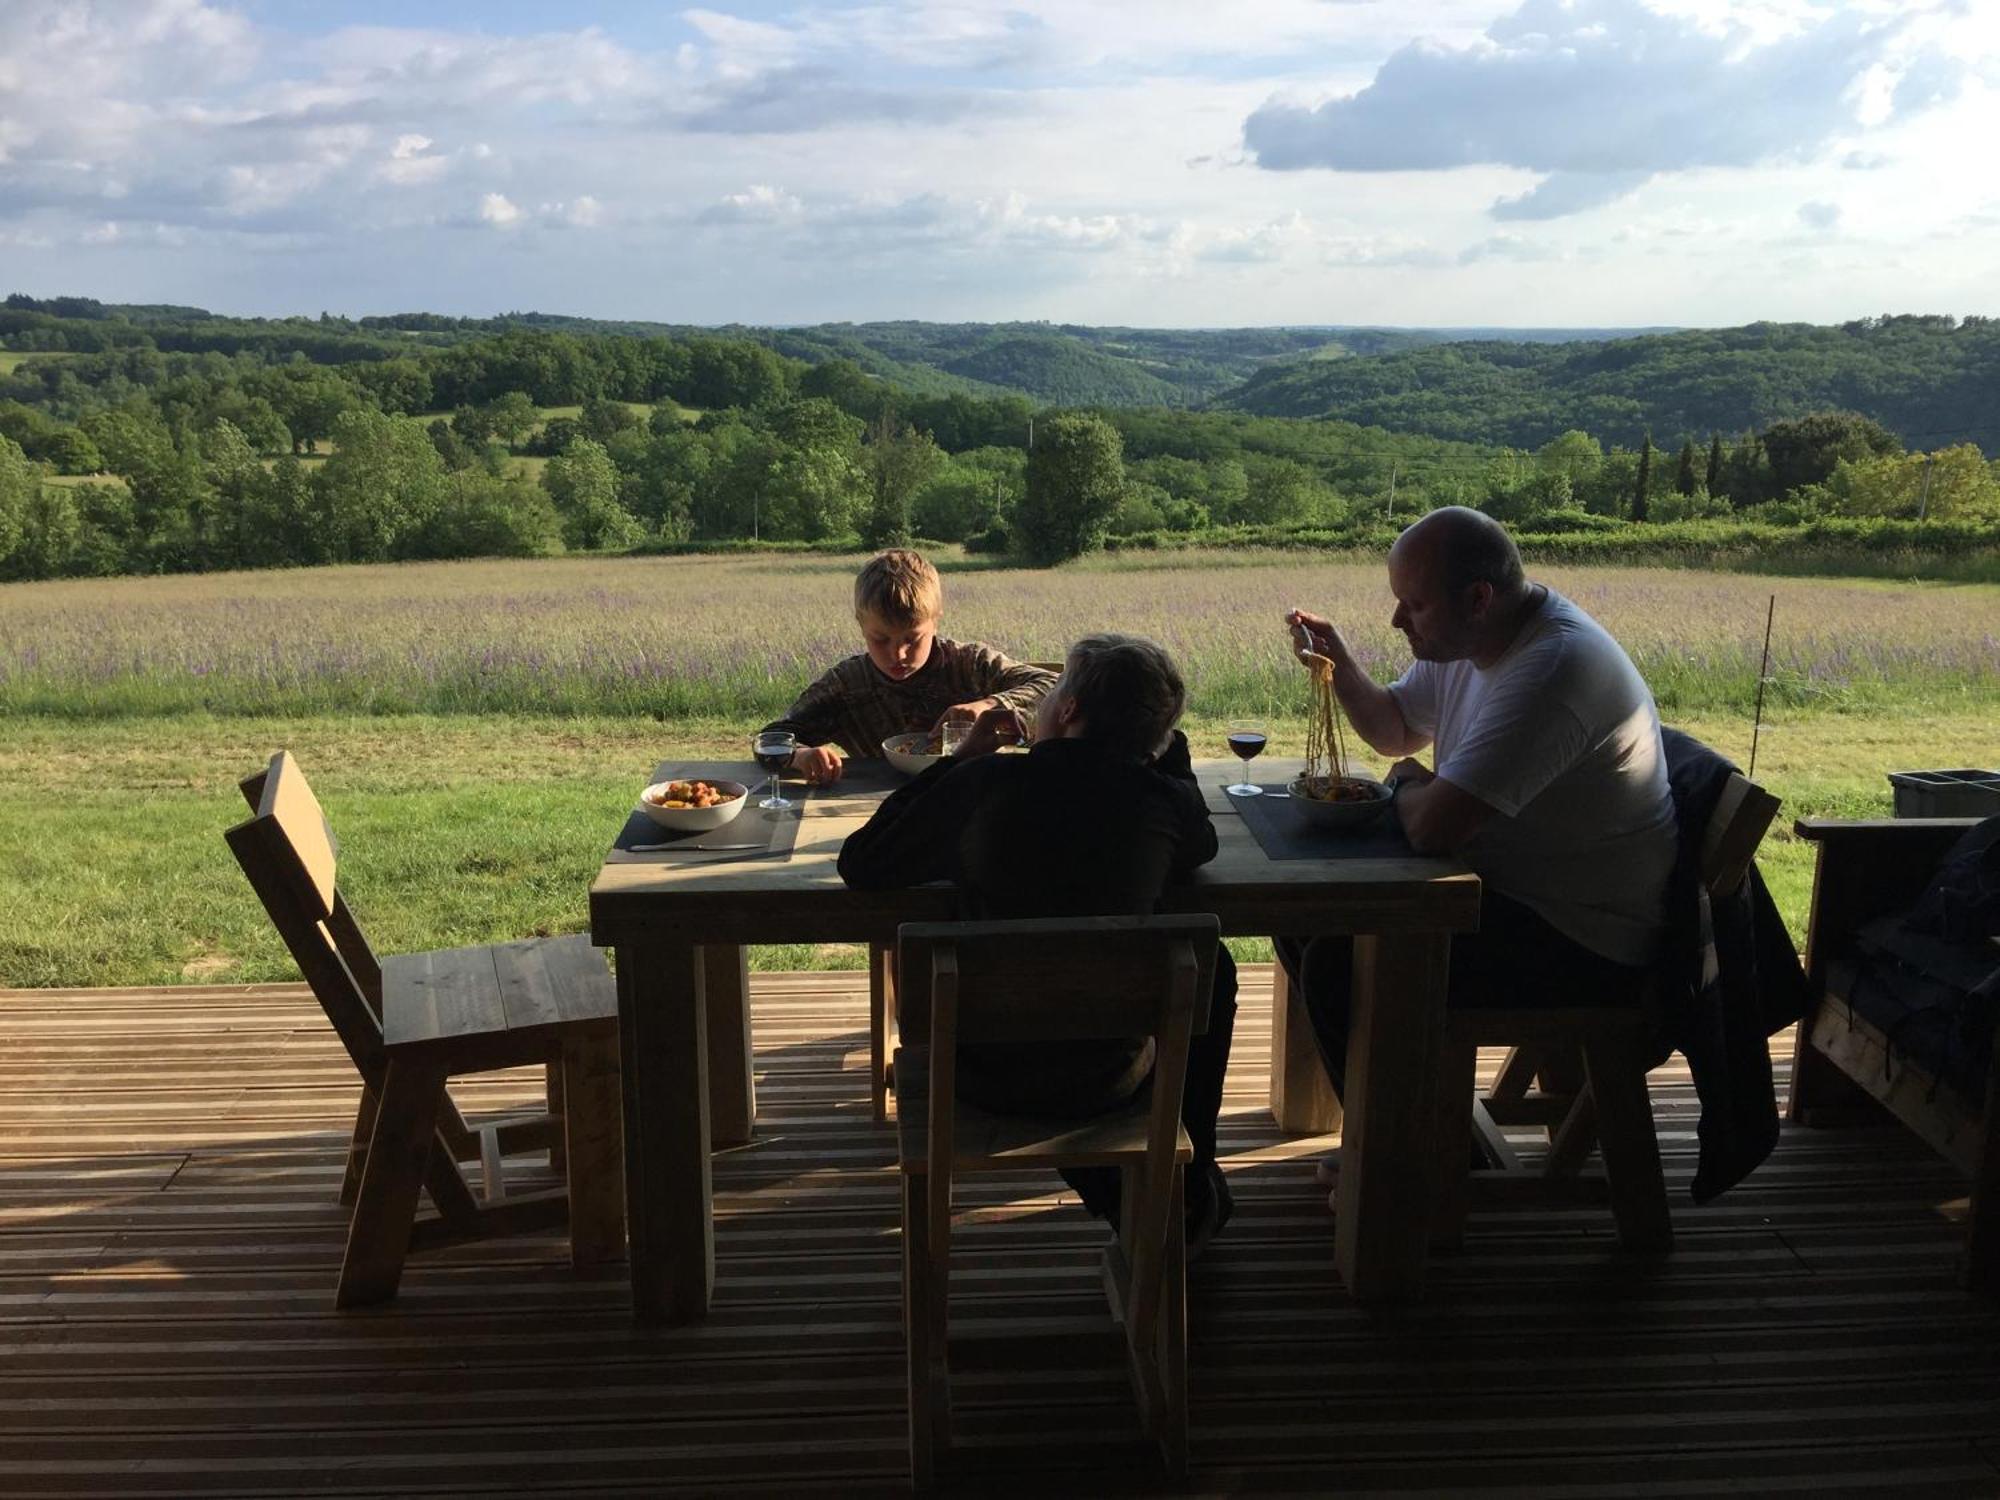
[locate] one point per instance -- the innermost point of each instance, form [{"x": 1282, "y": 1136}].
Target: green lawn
[{"x": 463, "y": 829}]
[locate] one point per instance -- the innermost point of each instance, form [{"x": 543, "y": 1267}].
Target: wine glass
[
  {"x": 773, "y": 750},
  {"x": 1246, "y": 741}
]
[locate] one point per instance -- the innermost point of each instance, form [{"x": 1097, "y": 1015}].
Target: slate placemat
[
  {"x": 772, "y": 834},
  {"x": 1284, "y": 834}
]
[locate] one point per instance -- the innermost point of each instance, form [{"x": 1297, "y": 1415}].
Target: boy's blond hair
[{"x": 898, "y": 587}]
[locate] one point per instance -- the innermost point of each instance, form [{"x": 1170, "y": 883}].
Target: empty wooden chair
[
  {"x": 1061, "y": 980},
  {"x": 417, "y": 1020},
  {"x": 1591, "y": 1063}
]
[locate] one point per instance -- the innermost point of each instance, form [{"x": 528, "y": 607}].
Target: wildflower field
[
  {"x": 678, "y": 638},
  {"x": 477, "y": 729}
]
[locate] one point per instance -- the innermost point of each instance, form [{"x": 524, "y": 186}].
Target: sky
[{"x": 1170, "y": 163}]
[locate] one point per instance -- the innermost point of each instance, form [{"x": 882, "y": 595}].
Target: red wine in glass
[
  {"x": 1246, "y": 742},
  {"x": 772, "y": 750}
]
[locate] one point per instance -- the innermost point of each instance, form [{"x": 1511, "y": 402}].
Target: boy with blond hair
[{"x": 907, "y": 677}]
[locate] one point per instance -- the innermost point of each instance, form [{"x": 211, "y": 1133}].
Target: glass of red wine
[
  {"x": 773, "y": 750},
  {"x": 1246, "y": 741}
]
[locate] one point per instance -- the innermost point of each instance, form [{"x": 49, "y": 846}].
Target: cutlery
[{"x": 704, "y": 848}]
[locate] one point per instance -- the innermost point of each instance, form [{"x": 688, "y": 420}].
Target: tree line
[{"x": 255, "y": 458}]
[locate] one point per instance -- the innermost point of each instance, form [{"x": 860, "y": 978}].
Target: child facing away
[
  {"x": 1097, "y": 819},
  {"x": 908, "y": 677}
]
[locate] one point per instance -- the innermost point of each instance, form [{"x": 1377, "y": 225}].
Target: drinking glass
[
  {"x": 953, "y": 734},
  {"x": 773, "y": 751},
  {"x": 1246, "y": 741}
]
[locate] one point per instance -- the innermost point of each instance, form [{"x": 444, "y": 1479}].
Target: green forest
[{"x": 169, "y": 439}]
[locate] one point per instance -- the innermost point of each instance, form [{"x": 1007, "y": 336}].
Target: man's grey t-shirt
[{"x": 1561, "y": 738}]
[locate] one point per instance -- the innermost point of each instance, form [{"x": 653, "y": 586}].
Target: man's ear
[{"x": 1478, "y": 599}]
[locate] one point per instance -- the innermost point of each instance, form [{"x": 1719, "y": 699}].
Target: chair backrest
[
  {"x": 1054, "y": 978},
  {"x": 1058, "y": 979},
  {"x": 290, "y": 856},
  {"x": 1729, "y": 840}
]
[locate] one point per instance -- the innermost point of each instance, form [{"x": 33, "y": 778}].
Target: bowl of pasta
[
  {"x": 1339, "y": 801},
  {"x": 915, "y": 752},
  {"x": 692, "y": 806}
]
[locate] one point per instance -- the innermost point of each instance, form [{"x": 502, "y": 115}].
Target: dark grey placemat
[
  {"x": 773, "y": 834},
  {"x": 1284, "y": 834}
]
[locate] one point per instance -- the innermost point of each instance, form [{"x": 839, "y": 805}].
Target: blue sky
[{"x": 1526, "y": 162}]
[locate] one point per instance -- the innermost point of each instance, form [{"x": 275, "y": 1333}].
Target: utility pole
[
  {"x": 1924, "y": 500},
  {"x": 1390, "y": 514}
]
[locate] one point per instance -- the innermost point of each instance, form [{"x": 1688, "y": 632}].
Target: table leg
[
  {"x": 732, "y": 1089},
  {"x": 663, "y": 1064},
  {"x": 1397, "y": 1032},
  {"x": 1302, "y": 1100}
]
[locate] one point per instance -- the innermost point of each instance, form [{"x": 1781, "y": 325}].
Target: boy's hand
[
  {"x": 995, "y": 727},
  {"x": 820, "y": 763},
  {"x": 968, "y": 712}
]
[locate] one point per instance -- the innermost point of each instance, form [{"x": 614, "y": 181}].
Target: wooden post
[
  {"x": 663, "y": 1040},
  {"x": 1386, "y": 1163},
  {"x": 732, "y": 1085},
  {"x": 1302, "y": 1100}
]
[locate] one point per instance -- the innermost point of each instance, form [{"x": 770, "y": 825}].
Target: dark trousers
[
  {"x": 1201, "y": 1105},
  {"x": 1516, "y": 959}
]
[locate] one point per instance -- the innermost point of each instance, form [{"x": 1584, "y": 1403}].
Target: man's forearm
[{"x": 1372, "y": 709}]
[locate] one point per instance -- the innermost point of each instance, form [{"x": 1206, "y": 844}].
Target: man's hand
[
  {"x": 993, "y": 728},
  {"x": 820, "y": 763},
  {"x": 1410, "y": 772},
  {"x": 1313, "y": 633}
]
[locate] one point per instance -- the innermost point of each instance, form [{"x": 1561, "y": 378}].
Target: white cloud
[
  {"x": 759, "y": 203},
  {"x": 1821, "y": 216},
  {"x": 496, "y": 209},
  {"x": 1603, "y": 94}
]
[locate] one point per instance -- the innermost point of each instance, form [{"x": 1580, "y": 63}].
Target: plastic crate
[{"x": 1946, "y": 794}]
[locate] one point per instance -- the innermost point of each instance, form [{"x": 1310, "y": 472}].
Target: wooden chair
[
  {"x": 420, "y": 1019},
  {"x": 1057, "y": 981},
  {"x": 1591, "y": 1063},
  {"x": 1845, "y": 1063},
  {"x": 882, "y": 998}
]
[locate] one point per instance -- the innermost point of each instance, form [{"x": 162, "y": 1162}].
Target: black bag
[{"x": 1962, "y": 902}]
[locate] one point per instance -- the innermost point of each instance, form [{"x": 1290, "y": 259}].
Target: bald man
[{"x": 1548, "y": 778}]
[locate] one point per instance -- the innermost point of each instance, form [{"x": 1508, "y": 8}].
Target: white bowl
[
  {"x": 906, "y": 752},
  {"x": 695, "y": 819},
  {"x": 1340, "y": 814}
]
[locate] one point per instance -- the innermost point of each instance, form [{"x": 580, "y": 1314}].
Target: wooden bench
[{"x": 1846, "y": 1062}]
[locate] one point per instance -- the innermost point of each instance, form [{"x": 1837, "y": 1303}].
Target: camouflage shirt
[{"x": 855, "y": 707}]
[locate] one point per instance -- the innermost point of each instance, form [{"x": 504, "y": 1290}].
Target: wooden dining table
[{"x": 678, "y": 923}]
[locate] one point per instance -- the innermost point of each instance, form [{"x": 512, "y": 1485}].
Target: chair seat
[
  {"x": 1002, "y": 1142},
  {"x": 524, "y": 991}
]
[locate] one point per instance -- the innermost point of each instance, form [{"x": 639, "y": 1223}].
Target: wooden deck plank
[{"x": 169, "y": 1241}]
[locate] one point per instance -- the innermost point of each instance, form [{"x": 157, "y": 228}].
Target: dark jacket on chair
[{"x": 1733, "y": 980}]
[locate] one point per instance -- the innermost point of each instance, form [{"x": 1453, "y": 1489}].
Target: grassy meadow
[{"x": 477, "y": 730}]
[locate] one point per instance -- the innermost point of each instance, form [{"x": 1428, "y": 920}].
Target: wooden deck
[{"x": 169, "y": 1241}]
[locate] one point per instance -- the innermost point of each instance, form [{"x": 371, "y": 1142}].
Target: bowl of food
[
  {"x": 915, "y": 752},
  {"x": 1339, "y": 801},
  {"x": 691, "y": 806}
]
